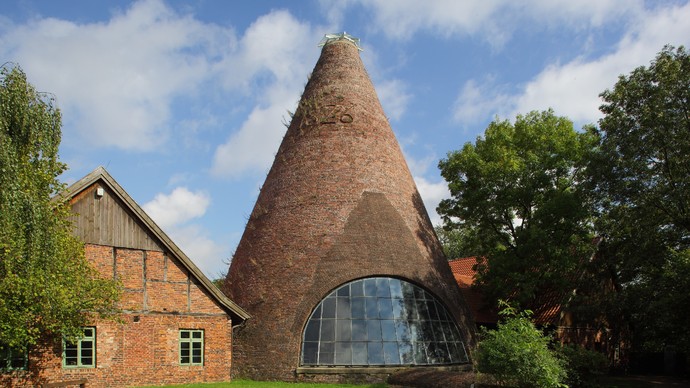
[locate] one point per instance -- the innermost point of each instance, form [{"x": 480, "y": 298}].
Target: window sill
[{"x": 372, "y": 370}]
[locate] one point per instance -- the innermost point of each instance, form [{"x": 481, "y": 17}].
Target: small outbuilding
[{"x": 175, "y": 326}]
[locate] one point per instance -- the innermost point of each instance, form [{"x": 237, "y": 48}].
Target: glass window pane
[
  {"x": 438, "y": 353},
  {"x": 312, "y": 332},
  {"x": 421, "y": 309},
  {"x": 343, "y": 330},
  {"x": 359, "y": 330},
  {"x": 357, "y": 288},
  {"x": 419, "y": 349},
  {"x": 416, "y": 331},
  {"x": 448, "y": 333},
  {"x": 359, "y": 353},
  {"x": 457, "y": 352},
  {"x": 18, "y": 360},
  {"x": 411, "y": 309},
  {"x": 328, "y": 308},
  {"x": 310, "y": 353},
  {"x": 398, "y": 308},
  {"x": 402, "y": 330},
  {"x": 372, "y": 308},
  {"x": 375, "y": 353},
  {"x": 431, "y": 307},
  {"x": 419, "y": 294},
  {"x": 388, "y": 330},
  {"x": 370, "y": 287},
  {"x": 317, "y": 312},
  {"x": 406, "y": 353},
  {"x": 184, "y": 334},
  {"x": 344, "y": 290},
  {"x": 88, "y": 332},
  {"x": 327, "y": 330},
  {"x": 326, "y": 353},
  {"x": 396, "y": 289},
  {"x": 374, "y": 330},
  {"x": 383, "y": 288},
  {"x": 71, "y": 354},
  {"x": 407, "y": 290},
  {"x": 343, "y": 353},
  {"x": 390, "y": 353},
  {"x": 385, "y": 308},
  {"x": 389, "y": 322},
  {"x": 357, "y": 306},
  {"x": 196, "y": 334},
  {"x": 343, "y": 308}
]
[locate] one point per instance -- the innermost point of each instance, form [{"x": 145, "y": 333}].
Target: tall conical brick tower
[{"x": 339, "y": 264}]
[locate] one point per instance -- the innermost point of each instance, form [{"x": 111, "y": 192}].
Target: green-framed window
[
  {"x": 191, "y": 347},
  {"x": 12, "y": 358},
  {"x": 82, "y": 352}
]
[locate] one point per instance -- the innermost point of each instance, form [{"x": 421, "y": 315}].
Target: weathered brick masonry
[
  {"x": 163, "y": 292},
  {"x": 338, "y": 204}
]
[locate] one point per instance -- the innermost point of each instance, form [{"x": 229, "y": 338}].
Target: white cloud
[
  {"x": 179, "y": 207},
  {"x": 173, "y": 213},
  {"x": 394, "y": 97},
  {"x": 432, "y": 193},
  {"x": 477, "y": 101},
  {"x": 210, "y": 256},
  {"x": 494, "y": 21},
  {"x": 272, "y": 51},
  {"x": 116, "y": 80},
  {"x": 573, "y": 89}
]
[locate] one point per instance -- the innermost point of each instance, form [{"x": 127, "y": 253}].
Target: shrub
[
  {"x": 517, "y": 353},
  {"x": 584, "y": 366}
]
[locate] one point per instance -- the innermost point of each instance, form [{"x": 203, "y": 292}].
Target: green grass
[{"x": 271, "y": 384}]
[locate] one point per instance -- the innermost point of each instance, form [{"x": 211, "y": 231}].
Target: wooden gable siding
[{"x": 103, "y": 220}]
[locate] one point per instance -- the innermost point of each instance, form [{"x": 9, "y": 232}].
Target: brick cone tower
[{"x": 338, "y": 204}]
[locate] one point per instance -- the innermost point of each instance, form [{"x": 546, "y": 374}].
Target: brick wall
[
  {"x": 141, "y": 346},
  {"x": 339, "y": 203}
]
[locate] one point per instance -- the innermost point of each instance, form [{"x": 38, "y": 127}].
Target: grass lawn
[{"x": 272, "y": 384}]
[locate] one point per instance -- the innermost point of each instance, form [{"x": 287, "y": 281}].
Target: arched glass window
[{"x": 381, "y": 321}]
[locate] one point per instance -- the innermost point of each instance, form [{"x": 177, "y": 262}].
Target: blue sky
[{"x": 184, "y": 101}]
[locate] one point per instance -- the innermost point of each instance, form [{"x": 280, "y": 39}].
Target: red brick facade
[
  {"x": 339, "y": 204},
  {"x": 162, "y": 294}
]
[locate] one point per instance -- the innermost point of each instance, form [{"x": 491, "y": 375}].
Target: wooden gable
[{"x": 100, "y": 217}]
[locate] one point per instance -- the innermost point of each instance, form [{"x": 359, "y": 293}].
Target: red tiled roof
[
  {"x": 463, "y": 270},
  {"x": 464, "y": 273}
]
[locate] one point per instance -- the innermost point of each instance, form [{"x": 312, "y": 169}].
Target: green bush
[
  {"x": 584, "y": 366},
  {"x": 517, "y": 353}
]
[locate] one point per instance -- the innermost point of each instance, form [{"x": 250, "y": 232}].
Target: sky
[{"x": 184, "y": 102}]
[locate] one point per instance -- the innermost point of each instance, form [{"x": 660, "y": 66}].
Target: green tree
[
  {"x": 46, "y": 284},
  {"x": 640, "y": 179},
  {"x": 517, "y": 192},
  {"x": 518, "y": 353},
  {"x": 457, "y": 243}
]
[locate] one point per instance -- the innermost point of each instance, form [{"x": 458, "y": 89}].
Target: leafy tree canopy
[
  {"x": 640, "y": 178},
  {"x": 517, "y": 192},
  {"x": 45, "y": 281}
]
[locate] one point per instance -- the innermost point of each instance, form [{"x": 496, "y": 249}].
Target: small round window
[{"x": 381, "y": 321}]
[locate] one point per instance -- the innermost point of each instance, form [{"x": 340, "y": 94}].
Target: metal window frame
[
  {"x": 6, "y": 362},
  {"x": 191, "y": 340},
  {"x": 78, "y": 344}
]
